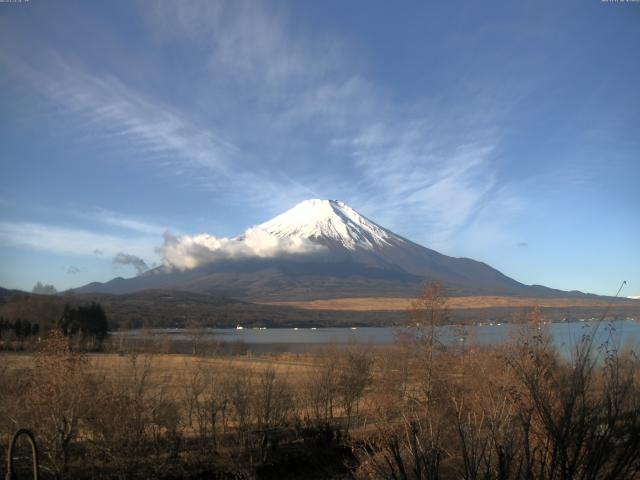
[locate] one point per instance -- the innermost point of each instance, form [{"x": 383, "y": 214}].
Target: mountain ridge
[{"x": 360, "y": 259}]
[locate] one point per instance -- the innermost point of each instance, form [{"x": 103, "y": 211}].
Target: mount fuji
[
  {"x": 330, "y": 223},
  {"x": 318, "y": 249}
]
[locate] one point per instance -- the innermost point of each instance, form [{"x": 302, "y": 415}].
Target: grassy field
[
  {"x": 362, "y": 304},
  {"x": 173, "y": 370}
]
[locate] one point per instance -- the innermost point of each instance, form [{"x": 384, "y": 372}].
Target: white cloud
[
  {"x": 186, "y": 252},
  {"x": 181, "y": 252}
]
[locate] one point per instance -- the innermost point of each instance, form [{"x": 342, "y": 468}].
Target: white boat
[{"x": 239, "y": 327}]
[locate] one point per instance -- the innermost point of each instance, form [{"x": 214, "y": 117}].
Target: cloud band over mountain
[{"x": 185, "y": 252}]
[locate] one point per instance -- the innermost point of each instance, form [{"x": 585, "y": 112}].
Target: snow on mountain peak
[{"x": 329, "y": 221}]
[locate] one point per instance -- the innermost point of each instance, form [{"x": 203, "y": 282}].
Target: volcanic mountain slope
[{"x": 355, "y": 257}]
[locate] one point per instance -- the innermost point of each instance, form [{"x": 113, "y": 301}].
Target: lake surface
[{"x": 565, "y": 335}]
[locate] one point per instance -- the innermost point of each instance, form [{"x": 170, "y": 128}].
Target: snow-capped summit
[{"x": 330, "y": 222}]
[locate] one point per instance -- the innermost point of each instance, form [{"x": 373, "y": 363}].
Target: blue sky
[{"x": 508, "y": 132}]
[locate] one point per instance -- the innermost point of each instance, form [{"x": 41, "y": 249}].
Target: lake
[{"x": 565, "y": 335}]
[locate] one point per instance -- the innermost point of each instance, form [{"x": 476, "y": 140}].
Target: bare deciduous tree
[
  {"x": 354, "y": 375},
  {"x": 57, "y": 398}
]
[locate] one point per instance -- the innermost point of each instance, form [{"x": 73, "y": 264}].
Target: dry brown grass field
[
  {"x": 453, "y": 303},
  {"x": 172, "y": 370},
  {"x": 221, "y": 409}
]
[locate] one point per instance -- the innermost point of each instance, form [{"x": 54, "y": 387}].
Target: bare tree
[
  {"x": 354, "y": 375},
  {"x": 57, "y": 398},
  {"x": 121, "y": 418},
  {"x": 427, "y": 313},
  {"x": 273, "y": 402},
  {"x": 320, "y": 387},
  {"x": 581, "y": 418},
  {"x": 412, "y": 447},
  {"x": 238, "y": 386},
  {"x": 205, "y": 401}
]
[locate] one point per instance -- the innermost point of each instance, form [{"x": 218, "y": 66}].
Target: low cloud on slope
[
  {"x": 127, "y": 259},
  {"x": 184, "y": 252}
]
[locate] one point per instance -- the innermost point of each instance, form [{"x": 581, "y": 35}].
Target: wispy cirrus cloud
[
  {"x": 429, "y": 165},
  {"x": 301, "y": 120},
  {"x": 423, "y": 175},
  {"x": 105, "y": 109},
  {"x": 118, "y": 220},
  {"x": 120, "y": 116},
  {"x": 247, "y": 41},
  {"x": 130, "y": 224},
  {"x": 72, "y": 241}
]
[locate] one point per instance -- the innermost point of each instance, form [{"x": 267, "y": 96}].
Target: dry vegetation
[
  {"x": 416, "y": 410},
  {"x": 364, "y": 304}
]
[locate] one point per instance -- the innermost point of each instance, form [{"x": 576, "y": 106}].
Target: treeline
[
  {"x": 176, "y": 309},
  {"x": 20, "y": 329},
  {"x": 86, "y": 324}
]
